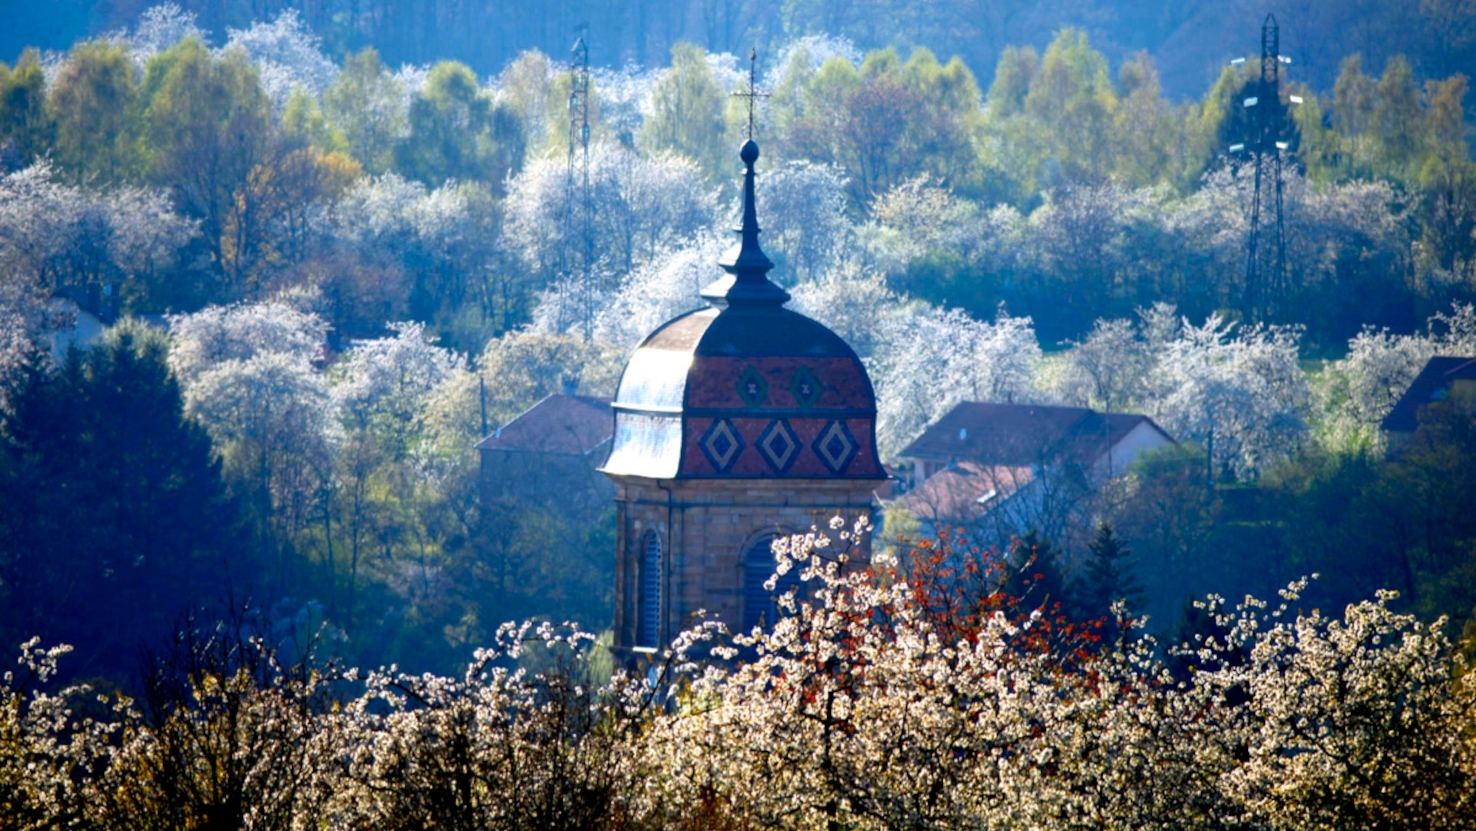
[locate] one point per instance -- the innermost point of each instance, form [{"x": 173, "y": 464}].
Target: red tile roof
[
  {"x": 564, "y": 424},
  {"x": 964, "y": 492},
  {"x": 1022, "y": 434}
]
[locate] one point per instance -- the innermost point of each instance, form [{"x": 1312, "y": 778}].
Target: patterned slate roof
[
  {"x": 745, "y": 388},
  {"x": 1431, "y": 385},
  {"x": 745, "y": 395}
]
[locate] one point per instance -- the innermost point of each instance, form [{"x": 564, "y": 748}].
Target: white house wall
[{"x": 1139, "y": 440}]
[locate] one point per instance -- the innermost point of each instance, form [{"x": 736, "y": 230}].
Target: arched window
[
  {"x": 648, "y": 614},
  {"x": 760, "y": 606}
]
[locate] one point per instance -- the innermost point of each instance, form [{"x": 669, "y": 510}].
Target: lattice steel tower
[
  {"x": 1268, "y": 141},
  {"x": 578, "y": 199}
]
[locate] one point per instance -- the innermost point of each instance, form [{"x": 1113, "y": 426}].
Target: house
[
  {"x": 549, "y": 455},
  {"x": 1444, "y": 378},
  {"x": 1032, "y": 434},
  {"x": 71, "y": 325},
  {"x": 998, "y": 470}
]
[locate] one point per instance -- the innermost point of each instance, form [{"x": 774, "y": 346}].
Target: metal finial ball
[{"x": 749, "y": 153}]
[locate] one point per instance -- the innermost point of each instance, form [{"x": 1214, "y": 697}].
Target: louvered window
[
  {"x": 648, "y": 630},
  {"x": 759, "y": 605}
]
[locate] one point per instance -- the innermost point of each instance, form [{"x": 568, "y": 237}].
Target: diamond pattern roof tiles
[
  {"x": 721, "y": 444},
  {"x": 779, "y": 446},
  {"x": 836, "y": 447}
]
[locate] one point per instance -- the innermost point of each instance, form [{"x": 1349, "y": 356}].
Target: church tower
[{"x": 734, "y": 423}]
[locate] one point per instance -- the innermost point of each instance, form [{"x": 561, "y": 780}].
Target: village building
[
  {"x": 1445, "y": 378},
  {"x": 734, "y": 423},
  {"x": 999, "y": 470},
  {"x": 72, "y": 322},
  {"x": 549, "y": 455}
]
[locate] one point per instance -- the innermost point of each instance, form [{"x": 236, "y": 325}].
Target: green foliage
[
  {"x": 1397, "y": 121},
  {"x": 1318, "y": 143},
  {"x": 1144, "y": 125},
  {"x": 94, "y": 106},
  {"x": 888, "y": 122},
  {"x": 522, "y": 367},
  {"x": 303, "y": 122},
  {"x": 208, "y": 127},
  {"x": 687, "y": 113},
  {"x": 1058, "y": 120},
  {"x": 1447, "y": 215},
  {"x": 1444, "y": 121},
  {"x": 1055, "y": 132},
  {"x": 1074, "y": 101},
  {"x": 1357, "y": 521},
  {"x": 1074, "y": 189},
  {"x": 539, "y": 100},
  {"x": 1013, "y": 76},
  {"x": 94, "y": 455},
  {"x": 25, "y": 129},
  {"x": 363, "y": 107},
  {"x": 1108, "y": 578},
  {"x": 456, "y": 131},
  {"x": 1172, "y": 521},
  {"x": 1354, "y": 95}
]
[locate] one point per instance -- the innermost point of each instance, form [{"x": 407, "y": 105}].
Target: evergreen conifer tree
[
  {"x": 1108, "y": 577},
  {"x": 113, "y": 517}
]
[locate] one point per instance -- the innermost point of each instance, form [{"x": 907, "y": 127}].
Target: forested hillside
[
  {"x": 344, "y": 265},
  {"x": 1191, "y": 40}
]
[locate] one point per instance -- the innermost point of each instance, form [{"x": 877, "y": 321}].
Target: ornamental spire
[{"x": 747, "y": 265}]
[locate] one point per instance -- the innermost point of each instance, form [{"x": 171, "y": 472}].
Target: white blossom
[
  {"x": 636, "y": 205},
  {"x": 866, "y": 704},
  {"x": 386, "y": 383},
  {"x": 659, "y": 290},
  {"x": 286, "y": 54},
  {"x": 930, "y": 360},
  {"x": 1244, "y": 396},
  {"x": 805, "y": 227},
  {"x": 219, "y": 334},
  {"x": 159, "y": 28}
]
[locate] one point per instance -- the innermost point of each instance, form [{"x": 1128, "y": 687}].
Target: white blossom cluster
[
  {"x": 862, "y": 707},
  {"x": 1242, "y": 397},
  {"x": 392, "y": 213},
  {"x": 1356, "y": 392},
  {"x": 624, "y": 96},
  {"x": 255, "y": 376},
  {"x": 928, "y": 361},
  {"x": 287, "y": 55},
  {"x": 635, "y": 209},
  {"x": 1236, "y": 389},
  {"x": 54, "y": 234},
  {"x": 159, "y": 28}
]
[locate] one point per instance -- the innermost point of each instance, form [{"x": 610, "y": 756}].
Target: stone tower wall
[{"x": 706, "y": 528}]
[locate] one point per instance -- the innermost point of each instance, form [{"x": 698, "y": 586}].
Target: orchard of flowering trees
[
  {"x": 354, "y": 270},
  {"x": 923, "y": 695}
]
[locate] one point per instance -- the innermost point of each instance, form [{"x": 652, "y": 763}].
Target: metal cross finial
[{"x": 753, "y": 93}]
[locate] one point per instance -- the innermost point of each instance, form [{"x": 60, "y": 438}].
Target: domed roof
[{"x": 745, "y": 388}]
